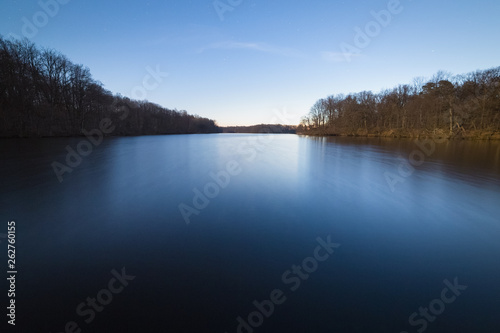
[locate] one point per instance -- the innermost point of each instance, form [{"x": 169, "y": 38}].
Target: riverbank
[{"x": 406, "y": 134}]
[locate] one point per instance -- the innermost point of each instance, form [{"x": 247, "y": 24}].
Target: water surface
[{"x": 120, "y": 208}]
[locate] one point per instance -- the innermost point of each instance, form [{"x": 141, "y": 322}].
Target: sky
[{"x": 243, "y": 62}]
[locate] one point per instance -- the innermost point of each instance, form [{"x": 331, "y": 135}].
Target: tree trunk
[{"x": 451, "y": 120}]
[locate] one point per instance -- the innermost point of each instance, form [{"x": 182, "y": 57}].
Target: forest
[
  {"x": 461, "y": 106},
  {"x": 44, "y": 94},
  {"x": 262, "y": 128}
]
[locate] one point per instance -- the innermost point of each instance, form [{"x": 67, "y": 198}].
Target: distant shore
[{"x": 261, "y": 128}]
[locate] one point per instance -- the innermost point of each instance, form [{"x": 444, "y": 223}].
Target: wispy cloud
[
  {"x": 260, "y": 47},
  {"x": 339, "y": 56}
]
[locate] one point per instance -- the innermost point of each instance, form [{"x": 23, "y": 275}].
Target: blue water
[{"x": 274, "y": 196}]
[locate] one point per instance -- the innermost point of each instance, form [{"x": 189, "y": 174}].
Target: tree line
[
  {"x": 262, "y": 128},
  {"x": 42, "y": 93},
  {"x": 465, "y": 105}
]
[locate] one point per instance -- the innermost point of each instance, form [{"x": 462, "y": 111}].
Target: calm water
[{"x": 120, "y": 209}]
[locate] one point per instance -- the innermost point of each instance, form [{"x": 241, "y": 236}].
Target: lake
[{"x": 253, "y": 233}]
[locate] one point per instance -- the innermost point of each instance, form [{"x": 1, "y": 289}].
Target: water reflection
[{"x": 120, "y": 207}]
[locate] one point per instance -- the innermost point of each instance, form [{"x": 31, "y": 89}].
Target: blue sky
[{"x": 264, "y": 56}]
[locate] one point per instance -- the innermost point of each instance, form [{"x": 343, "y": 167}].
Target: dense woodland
[
  {"x": 463, "y": 106},
  {"x": 42, "y": 93},
  {"x": 272, "y": 128}
]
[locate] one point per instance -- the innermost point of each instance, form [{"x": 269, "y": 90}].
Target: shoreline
[
  {"x": 472, "y": 136},
  {"x": 394, "y": 134}
]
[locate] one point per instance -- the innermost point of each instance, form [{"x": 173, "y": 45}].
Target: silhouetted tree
[{"x": 42, "y": 93}]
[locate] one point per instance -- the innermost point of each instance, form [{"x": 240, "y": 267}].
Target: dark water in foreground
[{"x": 120, "y": 209}]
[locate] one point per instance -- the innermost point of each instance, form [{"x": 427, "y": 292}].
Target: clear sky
[{"x": 241, "y": 66}]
